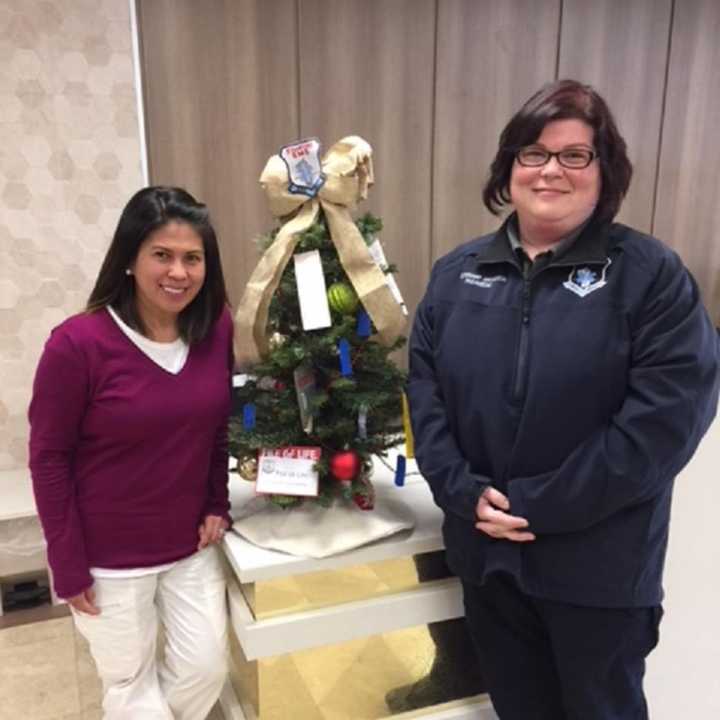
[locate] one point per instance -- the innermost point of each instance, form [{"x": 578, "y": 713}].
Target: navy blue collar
[{"x": 589, "y": 248}]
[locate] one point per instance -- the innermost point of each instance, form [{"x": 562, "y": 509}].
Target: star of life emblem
[
  {"x": 303, "y": 163},
  {"x": 584, "y": 280}
]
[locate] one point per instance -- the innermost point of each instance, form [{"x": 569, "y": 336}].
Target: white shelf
[
  {"x": 430, "y": 602},
  {"x": 17, "y": 495},
  {"x": 472, "y": 708}
]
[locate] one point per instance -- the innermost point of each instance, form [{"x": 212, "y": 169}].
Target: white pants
[{"x": 188, "y": 600}]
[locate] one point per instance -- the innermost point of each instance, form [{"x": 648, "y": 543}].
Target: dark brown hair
[
  {"x": 563, "y": 100},
  {"x": 148, "y": 210}
]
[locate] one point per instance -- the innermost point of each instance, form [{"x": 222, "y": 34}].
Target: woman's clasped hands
[{"x": 494, "y": 519}]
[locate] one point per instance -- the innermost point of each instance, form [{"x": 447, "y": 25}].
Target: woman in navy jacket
[{"x": 562, "y": 372}]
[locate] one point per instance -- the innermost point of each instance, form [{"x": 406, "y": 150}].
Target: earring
[{"x": 128, "y": 271}]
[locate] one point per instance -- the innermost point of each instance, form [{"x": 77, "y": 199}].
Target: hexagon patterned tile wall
[{"x": 69, "y": 160}]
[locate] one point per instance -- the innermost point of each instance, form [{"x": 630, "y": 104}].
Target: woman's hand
[
  {"x": 212, "y": 530},
  {"x": 494, "y": 521},
  {"x": 85, "y": 602}
]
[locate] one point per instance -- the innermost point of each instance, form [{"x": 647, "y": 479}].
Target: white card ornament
[
  {"x": 312, "y": 294},
  {"x": 305, "y": 176},
  {"x": 378, "y": 256},
  {"x": 362, "y": 421},
  {"x": 306, "y": 389},
  {"x": 288, "y": 471}
]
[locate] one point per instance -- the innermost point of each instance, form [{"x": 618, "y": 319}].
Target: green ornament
[{"x": 342, "y": 298}]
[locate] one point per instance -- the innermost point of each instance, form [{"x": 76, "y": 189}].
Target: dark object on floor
[
  {"x": 442, "y": 684},
  {"x": 455, "y": 672},
  {"x": 22, "y": 595}
]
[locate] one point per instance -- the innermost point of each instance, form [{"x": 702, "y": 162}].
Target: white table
[{"x": 430, "y": 602}]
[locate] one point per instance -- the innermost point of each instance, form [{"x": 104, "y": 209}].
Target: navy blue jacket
[{"x": 579, "y": 389}]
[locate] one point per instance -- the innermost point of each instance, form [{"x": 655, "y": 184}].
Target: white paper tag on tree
[
  {"x": 312, "y": 294},
  {"x": 241, "y": 379},
  {"x": 378, "y": 255},
  {"x": 288, "y": 471},
  {"x": 306, "y": 389}
]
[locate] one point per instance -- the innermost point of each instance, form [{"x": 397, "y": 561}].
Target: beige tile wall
[{"x": 69, "y": 160}]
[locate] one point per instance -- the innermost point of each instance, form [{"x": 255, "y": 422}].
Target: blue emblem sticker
[
  {"x": 584, "y": 280},
  {"x": 303, "y": 163}
]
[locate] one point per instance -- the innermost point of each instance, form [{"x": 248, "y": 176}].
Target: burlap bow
[{"x": 348, "y": 168}]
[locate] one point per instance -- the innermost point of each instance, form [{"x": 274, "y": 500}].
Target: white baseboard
[{"x": 476, "y": 708}]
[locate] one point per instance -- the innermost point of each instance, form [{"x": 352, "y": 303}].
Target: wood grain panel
[
  {"x": 367, "y": 69},
  {"x": 491, "y": 57},
  {"x": 621, "y": 48},
  {"x": 687, "y": 214},
  {"x": 171, "y": 73},
  {"x": 221, "y": 97}
]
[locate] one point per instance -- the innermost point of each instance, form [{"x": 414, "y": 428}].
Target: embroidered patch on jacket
[
  {"x": 584, "y": 280},
  {"x": 483, "y": 281}
]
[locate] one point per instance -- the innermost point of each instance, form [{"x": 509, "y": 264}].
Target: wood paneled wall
[
  {"x": 491, "y": 56},
  {"x": 621, "y": 49},
  {"x": 687, "y": 212},
  {"x": 366, "y": 69},
  {"x": 430, "y": 84},
  {"x": 221, "y": 96}
]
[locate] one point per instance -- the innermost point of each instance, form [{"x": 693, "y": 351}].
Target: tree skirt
[{"x": 317, "y": 532}]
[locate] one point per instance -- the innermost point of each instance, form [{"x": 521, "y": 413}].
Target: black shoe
[{"x": 433, "y": 689}]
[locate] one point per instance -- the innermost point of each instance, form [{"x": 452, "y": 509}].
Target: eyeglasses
[{"x": 573, "y": 158}]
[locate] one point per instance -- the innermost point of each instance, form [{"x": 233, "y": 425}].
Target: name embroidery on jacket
[
  {"x": 584, "y": 280},
  {"x": 482, "y": 281}
]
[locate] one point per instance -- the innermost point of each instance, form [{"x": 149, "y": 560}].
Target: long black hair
[{"x": 148, "y": 210}]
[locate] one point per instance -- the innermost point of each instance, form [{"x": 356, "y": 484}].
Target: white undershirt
[{"x": 172, "y": 357}]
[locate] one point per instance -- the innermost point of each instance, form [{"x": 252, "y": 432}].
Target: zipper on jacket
[
  {"x": 529, "y": 273},
  {"x": 522, "y": 355}
]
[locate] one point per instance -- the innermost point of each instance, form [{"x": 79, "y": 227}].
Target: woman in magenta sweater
[{"x": 128, "y": 453}]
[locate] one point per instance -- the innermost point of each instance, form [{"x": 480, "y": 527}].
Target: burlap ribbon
[{"x": 348, "y": 168}]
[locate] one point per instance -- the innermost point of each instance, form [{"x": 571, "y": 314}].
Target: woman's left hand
[{"x": 212, "y": 530}]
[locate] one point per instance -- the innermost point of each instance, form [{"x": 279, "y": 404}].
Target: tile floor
[{"x": 46, "y": 671}]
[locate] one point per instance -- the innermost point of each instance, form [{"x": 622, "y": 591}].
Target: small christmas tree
[{"x": 335, "y": 388}]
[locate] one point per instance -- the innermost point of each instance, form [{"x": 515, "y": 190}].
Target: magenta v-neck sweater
[{"x": 126, "y": 458}]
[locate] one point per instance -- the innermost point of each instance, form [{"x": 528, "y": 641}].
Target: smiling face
[
  {"x": 169, "y": 272},
  {"x": 552, "y": 200}
]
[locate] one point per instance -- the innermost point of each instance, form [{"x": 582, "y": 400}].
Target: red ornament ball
[
  {"x": 364, "y": 502},
  {"x": 345, "y": 465}
]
